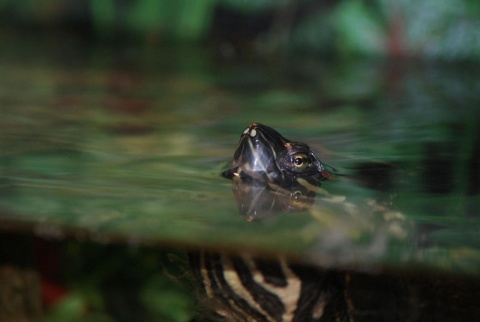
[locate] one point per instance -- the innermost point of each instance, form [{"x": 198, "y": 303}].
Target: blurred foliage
[
  {"x": 437, "y": 29},
  {"x": 118, "y": 283}
]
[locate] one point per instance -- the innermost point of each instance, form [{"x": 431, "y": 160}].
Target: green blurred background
[{"x": 434, "y": 29}]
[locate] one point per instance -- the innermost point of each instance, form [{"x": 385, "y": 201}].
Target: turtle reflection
[{"x": 257, "y": 200}]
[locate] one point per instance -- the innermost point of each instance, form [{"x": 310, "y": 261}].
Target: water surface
[{"x": 128, "y": 145}]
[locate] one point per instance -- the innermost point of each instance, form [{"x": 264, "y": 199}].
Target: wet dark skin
[{"x": 264, "y": 154}]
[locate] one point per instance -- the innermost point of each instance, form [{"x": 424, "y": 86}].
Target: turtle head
[{"x": 264, "y": 154}]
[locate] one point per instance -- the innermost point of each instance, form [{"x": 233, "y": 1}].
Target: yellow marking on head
[{"x": 308, "y": 185}]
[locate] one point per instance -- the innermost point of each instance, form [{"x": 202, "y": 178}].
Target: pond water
[{"x": 128, "y": 145}]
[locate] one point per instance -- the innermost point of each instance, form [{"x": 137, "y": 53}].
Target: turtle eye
[
  {"x": 300, "y": 161},
  {"x": 297, "y": 197}
]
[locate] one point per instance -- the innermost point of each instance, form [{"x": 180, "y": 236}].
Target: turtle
[
  {"x": 270, "y": 175},
  {"x": 266, "y": 156}
]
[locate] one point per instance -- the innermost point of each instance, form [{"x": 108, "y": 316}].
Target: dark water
[{"x": 126, "y": 145}]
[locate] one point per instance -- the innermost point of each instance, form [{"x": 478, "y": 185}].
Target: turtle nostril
[{"x": 251, "y": 130}]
